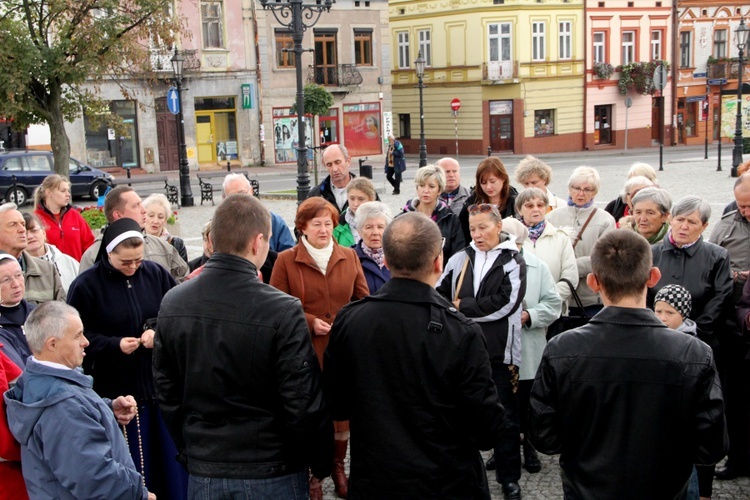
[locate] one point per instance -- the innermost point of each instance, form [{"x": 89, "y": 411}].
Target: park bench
[
  {"x": 208, "y": 189},
  {"x": 169, "y": 189}
]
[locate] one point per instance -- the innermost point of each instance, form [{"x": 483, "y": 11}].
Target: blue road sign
[{"x": 173, "y": 100}]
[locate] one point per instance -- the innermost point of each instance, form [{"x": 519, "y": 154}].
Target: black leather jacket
[
  {"x": 237, "y": 378},
  {"x": 630, "y": 405}
]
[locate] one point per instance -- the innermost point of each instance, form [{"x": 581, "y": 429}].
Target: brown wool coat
[{"x": 296, "y": 273}]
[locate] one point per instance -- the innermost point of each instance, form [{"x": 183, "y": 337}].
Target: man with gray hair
[
  {"x": 43, "y": 282},
  {"x": 281, "y": 237},
  {"x": 455, "y": 195},
  {"x": 71, "y": 446},
  {"x": 336, "y": 159},
  {"x": 413, "y": 377}
]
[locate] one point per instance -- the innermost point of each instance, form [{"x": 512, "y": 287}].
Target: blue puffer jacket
[{"x": 71, "y": 446}]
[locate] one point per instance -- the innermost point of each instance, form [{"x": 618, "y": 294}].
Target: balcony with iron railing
[
  {"x": 334, "y": 75},
  {"x": 161, "y": 60},
  {"x": 722, "y": 68}
]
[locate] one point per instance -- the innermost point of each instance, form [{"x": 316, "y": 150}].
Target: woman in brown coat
[{"x": 325, "y": 277}]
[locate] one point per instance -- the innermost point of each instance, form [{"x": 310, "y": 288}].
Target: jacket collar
[
  {"x": 690, "y": 251},
  {"x": 410, "y": 291},
  {"x": 628, "y": 316},
  {"x": 226, "y": 261}
]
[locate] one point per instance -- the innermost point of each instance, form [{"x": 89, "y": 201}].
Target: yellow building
[{"x": 516, "y": 66}]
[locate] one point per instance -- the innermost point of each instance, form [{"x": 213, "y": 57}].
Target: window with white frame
[
  {"x": 211, "y": 19},
  {"x": 685, "y": 54},
  {"x": 403, "y": 49},
  {"x": 599, "y": 47},
  {"x": 538, "y": 40},
  {"x": 656, "y": 45},
  {"x": 425, "y": 45},
  {"x": 499, "y": 42},
  {"x": 566, "y": 39},
  {"x": 628, "y": 47},
  {"x": 720, "y": 43}
]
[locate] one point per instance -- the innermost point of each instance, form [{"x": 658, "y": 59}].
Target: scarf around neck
[
  {"x": 587, "y": 205},
  {"x": 536, "y": 231},
  {"x": 321, "y": 256},
  {"x": 376, "y": 255}
]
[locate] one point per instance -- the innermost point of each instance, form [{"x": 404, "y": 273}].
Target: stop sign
[{"x": 455, "y": 104}]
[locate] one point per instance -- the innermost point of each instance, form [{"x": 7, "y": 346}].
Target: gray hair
[
  {"x": 529, "y": 194},
  {"x": 372, "y": 210},
  {"x": 585, "y": 174},
  {"x": 633, "y": 183},
  {"x": 158, "y": 199},
  {"x": 532, "y": 165},
  {"x": 689, "y": 204},
  {"x": 658, "y": 196},
  {"x": 642, "y": 169},
  {"x": 50, "y": 319},
  {"x": 231, "y": 178},
  {"x": 430, "y": 171},
  {"x": 5, "y": 207}
]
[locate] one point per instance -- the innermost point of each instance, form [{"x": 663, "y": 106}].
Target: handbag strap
[
  {"x": 585, "y": 224},
  {"x": 574, "y": 295},
  {"x": 461, "y": 277}
]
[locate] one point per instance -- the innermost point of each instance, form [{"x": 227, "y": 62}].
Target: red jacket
[
  {"x": 11, "y": 478},
  {"x": 72, "y": 235}
]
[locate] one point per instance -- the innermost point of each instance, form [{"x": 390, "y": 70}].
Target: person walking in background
[
  {"x": 413, "y": 376},
  {"x": 629, "y": 404},
  {"x": 252, "y": 430},
  {"x": 65, "y": 227},
  {"x": 395, "y": 164}
]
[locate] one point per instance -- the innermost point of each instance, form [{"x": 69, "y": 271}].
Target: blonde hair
[
  {"x": 50, "y": 182},
  {"x": 158, "y": 199}
]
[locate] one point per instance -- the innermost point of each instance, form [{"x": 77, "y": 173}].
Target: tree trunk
[{"x": 58, "y": 136}]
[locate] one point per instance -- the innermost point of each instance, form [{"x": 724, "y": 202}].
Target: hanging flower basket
[
  {"x": 603, "y": 70},
  {"x": 639, "y": 77}
]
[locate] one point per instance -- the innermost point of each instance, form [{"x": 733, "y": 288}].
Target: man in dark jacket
[
  {"x": 629, "y": 404},
  {"x": 413, "y": 377},
  {"x": 236, "y": 375},
  {"x": 336, "y": 159}
]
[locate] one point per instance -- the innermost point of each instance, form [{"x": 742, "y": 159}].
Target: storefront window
[
  {"x": 544, "y": 122},
  {"x": 216, "y": 129},
  {"x": 362, "y": 132},
  {"x": 103, "y": 152},
  {"x": 286, "y": 135}
]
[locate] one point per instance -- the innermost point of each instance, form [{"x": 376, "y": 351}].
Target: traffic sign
[
  {"x": 660, "y": 77},
  {"x": 455, "y": 104},
  {"x": 173, "y": 100}
]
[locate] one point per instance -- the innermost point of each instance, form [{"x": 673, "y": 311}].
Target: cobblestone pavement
[{"x": 692, "y": 176}]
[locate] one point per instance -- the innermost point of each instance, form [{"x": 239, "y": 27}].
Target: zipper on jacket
[{"x": 128, "y": 282}]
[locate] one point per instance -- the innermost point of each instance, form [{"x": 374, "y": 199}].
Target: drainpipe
[
  {"x": 675, "y": 68},
  {"x": 258, "y": 78},
  {"x": 585, "y": 75}
]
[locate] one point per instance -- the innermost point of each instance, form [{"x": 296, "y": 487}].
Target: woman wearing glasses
[
  {"x": 585, "y": 224},
  {"x": 118, "y": 299},
  {"x": 486, "y": 281}
]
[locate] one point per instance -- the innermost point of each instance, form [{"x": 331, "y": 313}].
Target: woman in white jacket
[{"x": 548, "y": 243}]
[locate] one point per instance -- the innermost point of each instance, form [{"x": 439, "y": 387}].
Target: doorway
[
  {"x": 603, "y": 124},
  {"x": 501, "y": 132},
  {"x": 167, "y": 138}
]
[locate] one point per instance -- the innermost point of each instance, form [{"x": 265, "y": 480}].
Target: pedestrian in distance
[{"x": 395, "y": 164}]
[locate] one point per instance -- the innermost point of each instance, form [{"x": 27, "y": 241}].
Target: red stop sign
[{"x": 455, "y": 104}]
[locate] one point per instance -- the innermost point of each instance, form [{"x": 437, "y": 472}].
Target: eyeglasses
[
  {"x": 483, "y": 208},
  {"x": 580, "y": 189},
  {"x": 17, "y": 277}
]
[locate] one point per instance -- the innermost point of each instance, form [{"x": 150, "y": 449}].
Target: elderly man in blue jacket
[{"x": 71, "y": 446}]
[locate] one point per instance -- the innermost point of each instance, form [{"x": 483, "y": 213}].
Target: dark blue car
[{"x": 31, "y": 167}]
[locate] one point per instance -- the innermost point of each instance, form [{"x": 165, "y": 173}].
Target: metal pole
[
  {"x": 303, "y": 178},
  {"x": 185, "y": 189},
  {"x": 661, "y": 133},
  {"x": 737, "y": 151},
  {"x": 455, "y": 125},
  {"x": 422, "y": 144},
  {"x": 705, "y": 125},
  {"x": 626, "y": 127}
]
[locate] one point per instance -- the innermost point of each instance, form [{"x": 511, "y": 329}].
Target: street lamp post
[
  {"x": 741, "y": 33},
  {"x": 419, "y": 63},
  {"x": 186, "y": 200},
  {"x": 290, "y": 14}
]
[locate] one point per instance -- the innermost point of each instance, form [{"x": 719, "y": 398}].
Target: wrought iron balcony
[
  {"x": 723, "y": 68},
  {"x": 161, "y": 59},
  {"x": 334, "y": 75}
]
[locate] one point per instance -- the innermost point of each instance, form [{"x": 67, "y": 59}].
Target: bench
[
  {"x": 207, "y": 189},
  {"x": 169, "y": 189}
]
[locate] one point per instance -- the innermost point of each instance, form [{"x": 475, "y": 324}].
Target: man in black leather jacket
[
  {"x": 236, "y": 375},
  {"x": 629, "y": 404}
]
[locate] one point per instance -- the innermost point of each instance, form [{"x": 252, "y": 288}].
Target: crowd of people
[{"x": 409, "y": 341}]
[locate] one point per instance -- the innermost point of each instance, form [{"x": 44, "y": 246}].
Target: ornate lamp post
[
  {"x": 419, "y": 63},
  {"x": 290, "y": 14},
  {"x": 186, "y": 199},
  {"x": 741, "y": 33}
]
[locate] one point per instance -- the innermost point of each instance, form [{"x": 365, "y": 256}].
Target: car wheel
[
  {"x": 97, "y": 189},
  {"x": 20, "y": 198}
]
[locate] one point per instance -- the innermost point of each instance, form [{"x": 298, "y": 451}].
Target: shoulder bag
[{"x": 565, "y": 323}]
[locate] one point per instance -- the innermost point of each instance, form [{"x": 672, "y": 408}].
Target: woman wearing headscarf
[{"x": 118, "y": 299}]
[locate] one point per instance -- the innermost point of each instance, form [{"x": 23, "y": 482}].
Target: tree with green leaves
[{"x": 56, "y": 53}]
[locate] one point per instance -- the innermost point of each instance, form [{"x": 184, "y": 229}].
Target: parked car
[{"x": 31, "y": 167}]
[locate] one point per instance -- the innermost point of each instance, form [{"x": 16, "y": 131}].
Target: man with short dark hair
[
  {"x": 413, "y": 377},
  {"x": 236, "y": 376},
  {"x": 629, "y": 404},
  {"x": 124, "y": 202}
]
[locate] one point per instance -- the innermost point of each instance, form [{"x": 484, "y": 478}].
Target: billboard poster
[
  {"x": 285, "y": 135},
  {"x": 362, "y": 129},
  {"x": 729, "y": 115}
]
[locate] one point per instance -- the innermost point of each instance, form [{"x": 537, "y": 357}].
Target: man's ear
[
  {"x": 653, "y": 277},
  {"x": 256, "y": 244},
  {"x": 593, "y": 283},
  {"x": 438, "y": 264}
]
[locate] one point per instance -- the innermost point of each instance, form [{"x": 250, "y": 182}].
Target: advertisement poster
[
  {"x": 285, "y": 135},
  {"x": 729, "y": 115},
  {"x": 362, "y": 129}
]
